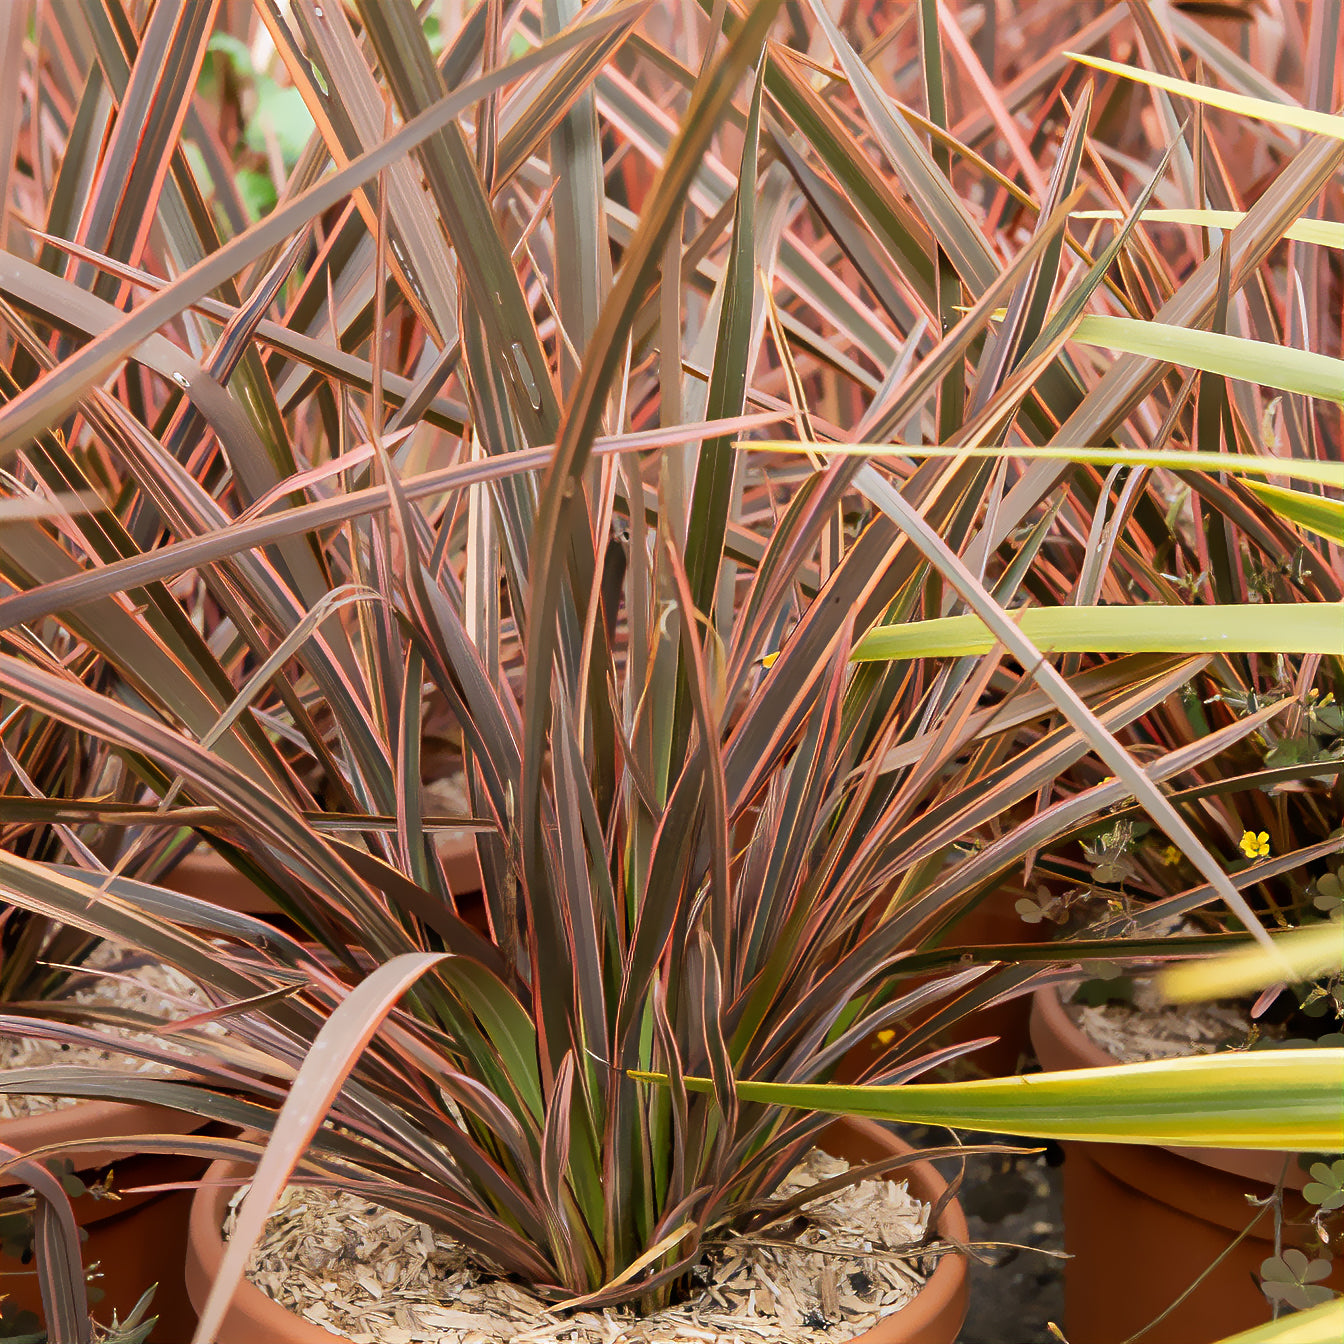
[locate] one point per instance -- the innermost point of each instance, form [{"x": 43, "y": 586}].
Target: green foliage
[
  {"x": 1316, "y": 1325},
  {"x": 1326, "y": 1188},
  {"x": 281, "y": 112},
  {"x": 1329, "y": 897},
  {"x": 1283, "y": 1101},
  {"x": 1116, "y": 989},
  {"x": 1295, "y": 1280}
]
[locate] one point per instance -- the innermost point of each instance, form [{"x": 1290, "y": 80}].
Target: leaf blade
[
  {"x": 1275, "y": 1100},
  {"x": 1315, "y": 627}
]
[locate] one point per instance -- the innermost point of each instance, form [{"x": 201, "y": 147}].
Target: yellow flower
[
  {"x": 886, "y": 1037},
  {"x": 1172, "y": 856},
  {"x": 1255, "y": 845}
]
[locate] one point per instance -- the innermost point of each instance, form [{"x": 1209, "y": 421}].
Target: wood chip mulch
[
  {"x": 374, "y": 1276},
  {"x": 1150, "y": 1028},
  {"x": 108, "y": 980}
]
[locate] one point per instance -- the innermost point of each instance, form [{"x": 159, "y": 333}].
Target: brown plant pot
[
  {"x": 206, "y": 876},
  {"x": 995, "y": 920},
  {"x": 1142, "y": 1224},
  {"x": 134, "y": 1239},
  {"x": 934, "y": 1316}
]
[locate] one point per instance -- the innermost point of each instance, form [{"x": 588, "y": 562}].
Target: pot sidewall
[
  {"x": 88, "y": 1121},
  {"x": 208, "y": 877},
  {"x": 203, "y": 874},
  {"x": 937, "y": 1312},
  {"x": 134, "y": 1238}
]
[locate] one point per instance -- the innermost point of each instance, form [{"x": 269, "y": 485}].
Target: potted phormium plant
[{"x": 711, "y": 842}]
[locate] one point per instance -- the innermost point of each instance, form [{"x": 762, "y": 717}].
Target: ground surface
[
  {"x": 1014, "y": 1201},
  {"x": 1012, "y": 1300}
]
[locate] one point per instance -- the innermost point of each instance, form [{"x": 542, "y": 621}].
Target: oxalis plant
[
  {"x": 394, "y": 487},
  {"x": 42, "y": 1217}
]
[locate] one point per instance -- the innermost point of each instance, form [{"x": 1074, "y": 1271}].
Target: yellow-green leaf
[
  {"x": 1324, "y": 517},
  {"x": 1321, "y": 232},
  {"x": 1279, "y": 1100},
  {"x": 1296, "y": 627},
  {"x": 1303, "y": 953},
  {"x": 1306, "y": 372},
  {"x": 1245, "y": 464},
  {"x": 1319, "y": 1325},
  {"x": 1261, "y": 109}
]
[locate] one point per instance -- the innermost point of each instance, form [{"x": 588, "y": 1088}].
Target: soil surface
[
  {"x": 113, "y": 980},
  {"x": 1151, "y": 1028},
  {"x": 855, "y": 1258}
]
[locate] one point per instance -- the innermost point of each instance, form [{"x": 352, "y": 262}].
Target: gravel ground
[{"x": 1014, "y": 1201}]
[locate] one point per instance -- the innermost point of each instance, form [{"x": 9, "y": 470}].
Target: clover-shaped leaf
[
  {"x": 16, "y": 1239},
  {"x": 1029, "y": 911},
  {"x": 1104, "y": 970},
  {"x": 21, "y": 1327},
  {"x": 1113, "y": 988},
  {"x": 1290, "y": 751},
  {"x": 73, "y": 1186},
  {"x": 1330, "y": 895},
  {"x": 1294, "y": 1280},
  {"x": 1327, "y": 1189},
  {"x": 1328, "y": 718},
  {"x": 1113, "y": 871}
]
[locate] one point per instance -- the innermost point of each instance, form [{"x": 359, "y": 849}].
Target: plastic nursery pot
[
  {"x": 136, "y": 1238},
  {"x": 934, "y": 1316},
  {"x": 1142, "y": 1224}
]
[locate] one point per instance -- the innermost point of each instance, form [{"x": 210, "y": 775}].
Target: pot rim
[
  {"x": 1060, "y": 1044},
  {"x": 204, "y": 874},
  {"x": 90, "y": 1120},
  {"x": 257, "y": 1316}
]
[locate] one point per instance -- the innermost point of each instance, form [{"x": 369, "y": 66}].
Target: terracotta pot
[
  {"x": 994, "y": 920},
  {"x": 206, "y": 876},
  {"x": 935, "y": 1315},
  {"x": 134, "y": 1239},
  {"x": 1142, "y": 1224}
]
